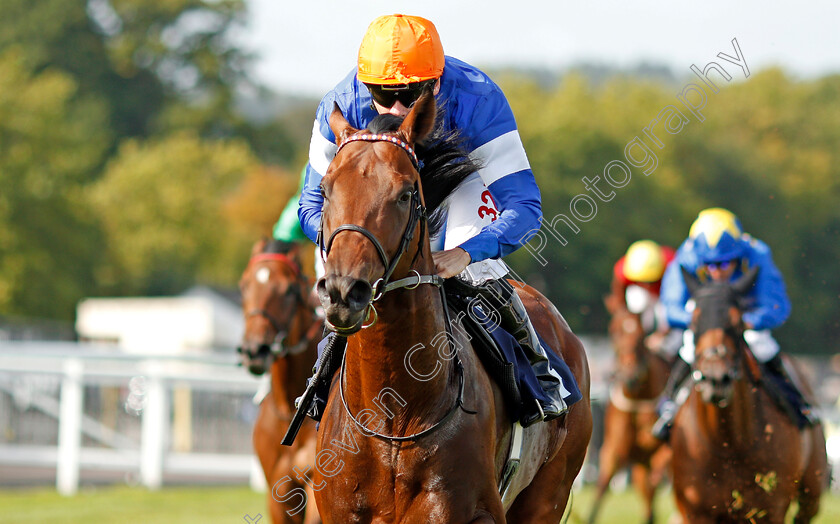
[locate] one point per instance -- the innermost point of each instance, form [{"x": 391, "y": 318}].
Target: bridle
[
  {"x": 278, "y": 346},
  {"x": 418, "y": 214},
  {"x": 721, "y": 350},
  {"x": 383, "y": 285}
]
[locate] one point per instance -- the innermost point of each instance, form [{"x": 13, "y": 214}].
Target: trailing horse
[
  {"x": 281, "y": 335},
  {"x": 414, "y": 430},
  {"x": 631, "y": 412},
  {"x": 737, "y": 456}
]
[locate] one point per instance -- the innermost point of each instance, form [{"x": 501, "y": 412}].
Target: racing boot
[
  {"x": 514, "y": 320},
  {"x": 787, "y": 395},
  {"x": 668, "y": 406}
]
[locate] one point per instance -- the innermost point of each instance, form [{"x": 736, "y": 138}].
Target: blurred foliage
[
  {"x": 162, "y": 204},
  {"x": 50, "y": 139},
  {"x": 151, "y": 90}
]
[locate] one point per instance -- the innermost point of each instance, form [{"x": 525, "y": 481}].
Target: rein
[{"x": 459, "y": 402}]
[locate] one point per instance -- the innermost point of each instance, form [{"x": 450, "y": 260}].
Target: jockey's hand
[{"x": 451, "y": 262}]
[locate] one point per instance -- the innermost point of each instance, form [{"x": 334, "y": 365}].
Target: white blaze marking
[{"x": 262, "y": 275}]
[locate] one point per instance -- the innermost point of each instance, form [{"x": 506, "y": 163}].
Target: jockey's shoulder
[
  {"x": 686, "y": 256},
  {"x": 345, "y": 91},
  {"x": 755, "y": 248},
  {"x": 468, "y": 79}
]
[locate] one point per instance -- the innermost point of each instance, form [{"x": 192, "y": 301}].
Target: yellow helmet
[
  {"x": 644, "y": 262},
  {"x": 400, "y": 49},
  {"x": 716, "y": 236}
]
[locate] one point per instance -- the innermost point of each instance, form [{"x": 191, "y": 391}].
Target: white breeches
[{"x": 761, "y": 343}]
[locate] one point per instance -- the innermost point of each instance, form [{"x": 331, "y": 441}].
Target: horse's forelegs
[
  {"x": 814, "y": 481},
  {"x": 608, "y": 464},
  {"x": 659, "y": 463},
  {"x": 644, "y": 484}
]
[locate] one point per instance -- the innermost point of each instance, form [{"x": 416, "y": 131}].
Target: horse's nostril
[{"x": 359, "y": 294}]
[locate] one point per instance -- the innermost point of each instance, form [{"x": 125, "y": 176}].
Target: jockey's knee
[
  {"x": 687, "y": 350},
  {"x": 762, "y": 344}
]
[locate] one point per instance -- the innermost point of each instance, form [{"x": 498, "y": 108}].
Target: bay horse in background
[
  {"x": 281, "y": 336},
  {"x": 414, "y": 430},
  {"x": 631, "y": 411},
  {"x": 737, "y": 456}
]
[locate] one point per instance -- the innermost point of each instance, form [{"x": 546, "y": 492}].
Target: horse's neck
[
  {"x": 289, "y": 374},
  {"x": 396, "y": 361}
]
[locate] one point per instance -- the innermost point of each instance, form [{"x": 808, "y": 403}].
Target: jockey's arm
[
  {"x": 311, "y": 202},
  {"x": 497, "y": 147},
  {"x": 772, "y": 306},
  {"x": 322, "y": 150}
]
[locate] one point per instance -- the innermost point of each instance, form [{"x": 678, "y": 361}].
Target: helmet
[
  {"x": 716, "y": 235},
  {"x": 644, "y": 262},
  {"x": 400, "y": 49}
]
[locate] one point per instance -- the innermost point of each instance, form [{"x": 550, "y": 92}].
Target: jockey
[
  {"x": 718, "y": 249},
  {"x": 637, "y": 278},
  {"x": 492, "y": 212}
]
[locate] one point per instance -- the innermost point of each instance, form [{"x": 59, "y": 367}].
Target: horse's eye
[
  {"x": 323, "y": 193},
  {"x": 405, "y": 197}
]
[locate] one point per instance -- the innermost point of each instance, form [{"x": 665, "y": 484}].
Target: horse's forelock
[
  {"x": 714, "y": 300},
  {"x": 278, "y": 246}
]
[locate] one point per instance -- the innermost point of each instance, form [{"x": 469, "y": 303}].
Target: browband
[{"x": 383, "y": 138}]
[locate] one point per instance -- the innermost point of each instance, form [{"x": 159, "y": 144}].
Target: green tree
[
  {"x": 162, "y": 204},
  {"x": 49, "y": 142},
  {"x": 157, "y": 64}
]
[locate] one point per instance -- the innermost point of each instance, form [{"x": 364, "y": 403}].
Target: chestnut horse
[
  {"x": 737, "y": 456},
  {"x": 281, "y": 334},
  {"x": 414, "y": 430},
  {"x": 631, "y": 411}
]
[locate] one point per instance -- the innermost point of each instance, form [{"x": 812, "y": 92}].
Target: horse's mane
[
  {"x": 277, "y": 246},
  {"x": 444, "y": 163}
]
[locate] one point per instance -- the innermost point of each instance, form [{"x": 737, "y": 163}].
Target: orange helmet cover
[{"x": 400, "y": 49}]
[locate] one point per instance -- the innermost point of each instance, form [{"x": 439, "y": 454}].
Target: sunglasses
[
  {"x": 722, "y": 265},
  {"x": 406, "y": 94}
]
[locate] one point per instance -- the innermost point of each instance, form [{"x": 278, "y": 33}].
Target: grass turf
[{"x": 207, "y": 505}]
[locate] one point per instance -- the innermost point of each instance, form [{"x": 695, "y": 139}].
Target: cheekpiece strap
[{"x": 383, "y": 138}]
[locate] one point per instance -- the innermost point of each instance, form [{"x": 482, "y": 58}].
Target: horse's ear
[
  {"x": 341, "y": 128},
  {"x": 691, "y": 281},
  {"x": 421, "y": 119},
  {"x": 743, "y": 284},
  {"x": 294, "y": 252},
  {"x": 259, "y": 245}
]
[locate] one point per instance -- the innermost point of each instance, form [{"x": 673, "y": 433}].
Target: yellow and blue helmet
[{"x": 716, "y": 236}]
